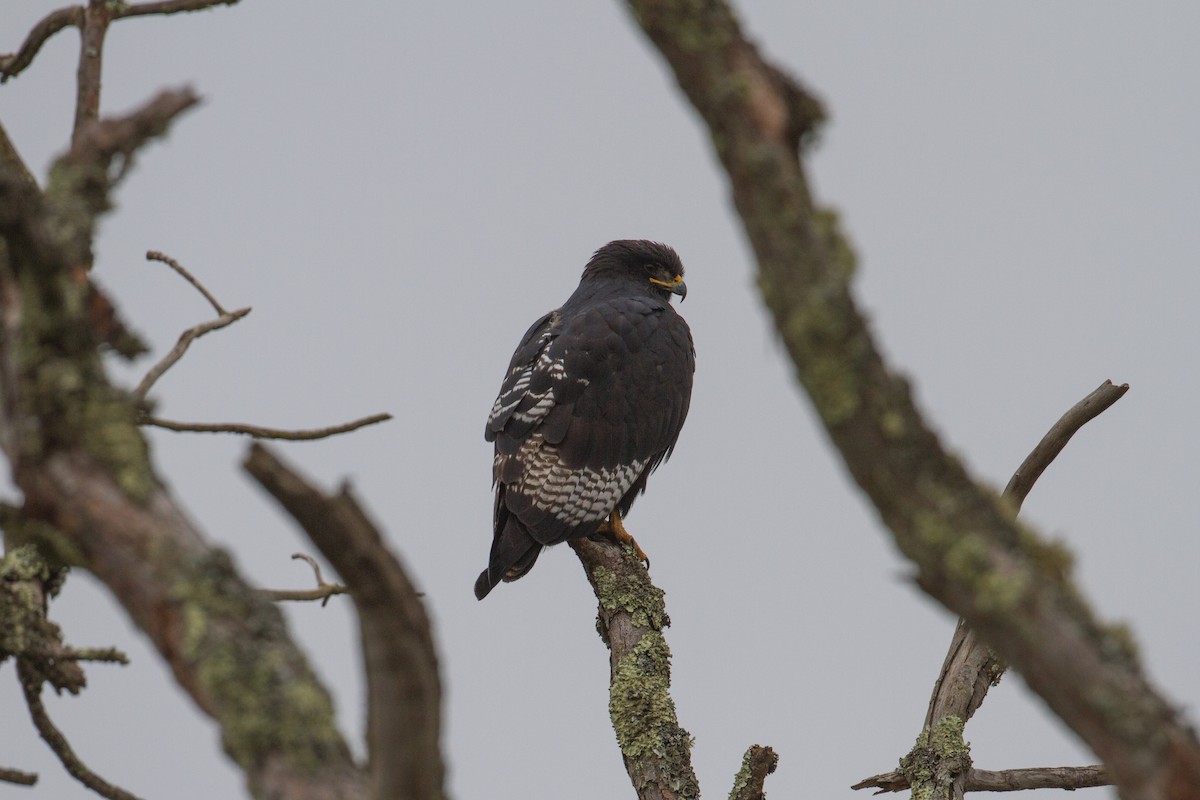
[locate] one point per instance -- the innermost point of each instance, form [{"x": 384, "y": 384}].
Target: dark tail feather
[{"x": 513, "y": 554}]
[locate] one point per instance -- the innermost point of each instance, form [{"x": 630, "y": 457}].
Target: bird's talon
[{"x": 615, "y": 528}]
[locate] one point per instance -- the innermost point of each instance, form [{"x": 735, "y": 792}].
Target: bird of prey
[{"x": 593, "y": 402}]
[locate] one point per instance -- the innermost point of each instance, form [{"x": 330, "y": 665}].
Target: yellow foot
[{"x": 614, "y": 527}]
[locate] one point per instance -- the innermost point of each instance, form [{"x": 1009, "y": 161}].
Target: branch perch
[{"x": 631, "y": 619}]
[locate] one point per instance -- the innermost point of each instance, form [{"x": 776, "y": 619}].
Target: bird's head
[{"x": 651, "y": 264}]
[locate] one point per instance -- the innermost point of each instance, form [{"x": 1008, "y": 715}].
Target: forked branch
[
  {"x": 31, "y": 686},
  {"x": 322, "y": 592}
]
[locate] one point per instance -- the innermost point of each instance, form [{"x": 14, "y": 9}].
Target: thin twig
[
  {"x": 323, "y": 592},
  {"x": 18, "y": 777},
  {"x": 185, "y": 341},
  {"x": 1008, "y": 780},
  {"x": 31, "y": 685},
  {"x": 103, "y": 655},
  {"x": 168, "y": 7},
  {"x": 1057, "y": 437},
  {"x": 264, "y": 433},
  {"x": 155, "y": 255},
  {"x": 96, "y": 17},
  {"x": 13, "y": 64}
]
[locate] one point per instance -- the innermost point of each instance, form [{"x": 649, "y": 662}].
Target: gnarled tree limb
[
  {"x": 970, "y": 553},
  {"x": 403, "y": 688},
  {"x": 82, "y": 465}
]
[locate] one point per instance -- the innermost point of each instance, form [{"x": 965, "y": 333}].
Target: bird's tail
[{"x": 513, "y": 554}]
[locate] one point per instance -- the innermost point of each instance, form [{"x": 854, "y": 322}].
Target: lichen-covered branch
[
  {"x": 970, "y": 552},
  {"x": 403, "y": 688},
  {"x": 757, "y": 764},
  {"x": 82, "y": 465},
  {"x": 631, "y": 620}
]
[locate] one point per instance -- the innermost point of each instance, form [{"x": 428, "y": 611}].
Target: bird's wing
[
  {"x": 591, "y": 402},
  {"x": 515, "y": 391}
]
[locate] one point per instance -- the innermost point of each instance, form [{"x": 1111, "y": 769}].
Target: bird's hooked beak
[{"x": 674, "y": 286}]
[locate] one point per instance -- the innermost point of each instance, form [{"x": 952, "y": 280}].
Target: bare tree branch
[
  {"x": 1009, "y": 780},
  {"x": 15, "y": 63},
  {"x": 31, "y": 685},
  {"x": 1057, "y": 437},
  {"x": 155, "y": 255},
  {"x": 631, "y": 619},
  {"x": 18, "y": 777},
  {"x": 97, "y": 15},
  {"x": 403, "y": 687},
  {"x": 259, "y": 432},
  {"x": 185, "y": 341},
  {"x": 970, "y": 668},
  {"x": 322, "y": 592},
  {"x": 168, "y": 7},
  {"x": 1012, "y": 780},
  {"x": 970, "y": 552}
]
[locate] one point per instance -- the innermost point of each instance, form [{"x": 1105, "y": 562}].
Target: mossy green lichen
[
  {"x": 64, "y": 385},
  {"x": 26, "y": 578},
  {"x": 642, "y": 600},
  {"x": 1117, "y": 642},
  {"x": 640, "y": 702},
  {"x": 744, "y": 774},
  {"x": 56, "y": 551},
  {"x": 938, "y": 757},
  {"x": 262, "y": 692},
  {"x": 643, "y": 716},
  {"x": 843, "y": 259}
]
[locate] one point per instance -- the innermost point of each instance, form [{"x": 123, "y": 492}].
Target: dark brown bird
[{"x": 593, "y": 402}]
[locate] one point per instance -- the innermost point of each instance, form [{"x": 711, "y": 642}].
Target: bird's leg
[{"x": 614, "y": 527}]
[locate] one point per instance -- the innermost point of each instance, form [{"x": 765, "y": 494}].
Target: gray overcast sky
[{"x": 399, "y": 189}]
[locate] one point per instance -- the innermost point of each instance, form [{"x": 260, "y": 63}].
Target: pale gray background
[{"x": 400, "y": 188}]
